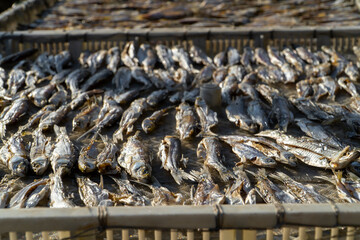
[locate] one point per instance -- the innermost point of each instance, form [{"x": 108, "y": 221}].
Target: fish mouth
[
  {"x": 19, "y": 166},
  {"x": 86, "y": 167},
  {"x": 39, "y": 165}
]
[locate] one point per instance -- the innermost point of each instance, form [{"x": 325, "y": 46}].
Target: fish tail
[
  {"x": 91, "y": 130},
  {"x": 2, "y": 129},
  {"x": 227, "y": 175},
  {"x": 180, "y": 174}
]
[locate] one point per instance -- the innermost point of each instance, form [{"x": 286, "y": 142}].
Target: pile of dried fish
[
  {"x": 129, "y": 127},
  {"x": 85, "y": 14}
]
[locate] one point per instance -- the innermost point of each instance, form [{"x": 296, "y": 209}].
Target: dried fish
[
  {"x": 122, "y": 79},
  {"x": 150, "y": 123},
  {"x": 237, "y": 113},
  {"x": 186, "y": 121},
  {"x": 40, "y": 152},
  {"x": 129, "y": 117},
  {"x": 87, "y": 160},
  {"x": 171, "y": 157},
  {"x": 20, "y": 198},
  {"x": 91, "y": 193},
  {"x": 106, "y": 161},
  {"x": 257, "y": 113},
  {"x": 12, "y": 113},
  {"x": 208, "y": 118},
  {"x": 63, "y": 155},
  {"x": 135, "y": 159},
  {"x": 14, "y": 156},
  {"x": 58, "y": 198},
  {"x": 209, "y": 149}
]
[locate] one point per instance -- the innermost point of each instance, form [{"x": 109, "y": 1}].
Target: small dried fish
[
  {"x": 171, "y": 157},
  {"x": 198, "y": 56},
  {"x": 113, "y": 59},
  {"x": 261, "y": 57},
  {"x": 20, "y": 198},
  {"x": 41, "y": 95},
  {"x": 208, "y": 118},
  {"x": 75, "y": 78},
  {"x": 150, "y": 123},
  {"x": 128, "y": 194},
  {"x": 269, "y": 192},
  {"x": 247, "y": 153},
  {"x": 156, "y": 97},
  {"x": 209, "y": 149},
  {"x": 317, "y": 132},
  {"x": 247, "y": 58},
  {"x": 129, "y": 117},
  {"x": 280, "y": 109},
  {"x": 292, "y": 58},
  {"x": 91, "y": 193},
  {"x": 106, "y": 161},
  {"x": 182, "y": 57},
  {"x": 58, "y": 199},
  {"x": 257, "y": 113},
  {"x": 237, "y": 113},
  {"x": 14, "y": 156},
  {"x": 268, "y": 147},
  {"x": 307, "y": 55},
  {"x": 86, "y": 118},
  {"x": 49, "y": 120},
  {"x": 87, "y": 160},
  {"x": 122, "y": 79},
  {"x": 233, "y": 56},
  {"x": 98, "y": 77},
  {"x": 135, "y": 159},
  {"x": 186, "y": 121},
  {"x": 12, "y": 113},
  {"x": 207, "y": 193},
  {"x": 63, "y": 156},
  {"x": 165, "y": 57},
  {"x": 15, "y": 81},
  {"x": 40, "y": 152}
]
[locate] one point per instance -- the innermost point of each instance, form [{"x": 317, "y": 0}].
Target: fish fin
[
  {"x": 180, "y": 174},
  {"x": 2, "y": 129},
  {"x": 227, "y": 175},
  {"x": 91, "y": 130},
  {"x": 101, "y": 184},
  {"x": 184, "y": 161}
]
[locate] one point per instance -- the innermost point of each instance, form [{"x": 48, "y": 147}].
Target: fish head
[
  {"x": 289, "y": 158},
  {"x": 78, "y": 124},
  {"x": 40, "y": 102},
  {"x": 148, "y": 125},
  {"x": 107, "y": 166},
  {"x": 39, "y": 165},
  {"x": 19, "y": 165},
  {"x": 141, "y": 171},
  {"x": 266, "y": 162},
  {"x": 86, "y": 166}
]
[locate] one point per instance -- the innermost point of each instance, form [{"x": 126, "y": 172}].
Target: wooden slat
[
  {"x": 141, "y": 234},
  {"x": 269, "y": 234},
  {"x": 227, "y": 234},
  {"x": 158, "y": 235},
  {"x": 318, "y": 233},
  {"x": 334, "y": 234},
  {"x": 302, "y": 233},
  {"x": 13, "y": 236},
  {"x": 125, "y": 234},
  {"x": 249, "y": 234},
  {"x": 45, "y": 235},
  {"x": 350, "y": 233},
  {"x": 206, "y": 235},
  {"x": 190, "y": 235},
  {"x": 109, "y": 234},
  {"x": 286, "y": 233},
  {"x": 29, "y": 236}
]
